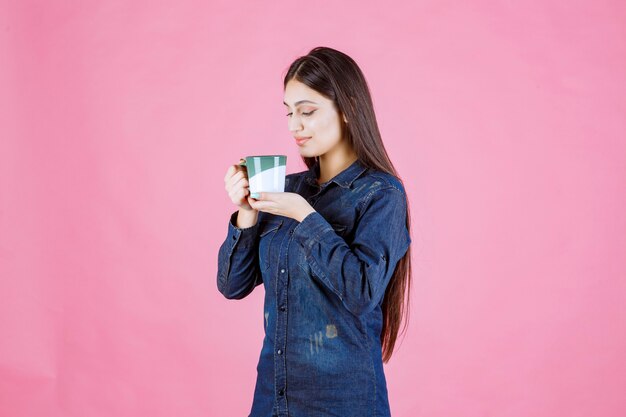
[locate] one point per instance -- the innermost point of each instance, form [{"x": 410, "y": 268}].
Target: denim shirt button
[
  {"x": 291, "y": 232},
  {"x": 281, "y": 392},
  {"x": 234, "y": 237},
  {"x": 282, "y": 271},
  {"x": 282, "y": 308},
  {"x": 280, "y": 352}
]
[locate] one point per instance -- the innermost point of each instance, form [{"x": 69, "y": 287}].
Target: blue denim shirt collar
[{"x": 343, "y": 179}]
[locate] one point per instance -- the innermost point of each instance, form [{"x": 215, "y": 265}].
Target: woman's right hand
[{"x": 236, "y": 184}]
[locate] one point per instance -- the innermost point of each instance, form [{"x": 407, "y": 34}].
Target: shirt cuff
[
  {"x": 245, "y": 237},
  {"x": 308, "y": 231}
]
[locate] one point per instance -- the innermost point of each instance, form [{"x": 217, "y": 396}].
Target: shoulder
[
  {"x": 377, "y": 192},
  {"x": 375, "y": 182},
  {"x": 381, "y": 196}
]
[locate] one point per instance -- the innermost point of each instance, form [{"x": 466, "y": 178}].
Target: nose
[{"x": 294, "y": 123}]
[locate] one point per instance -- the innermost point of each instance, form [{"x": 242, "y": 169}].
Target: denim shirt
[{"x": 324, "y": 280}]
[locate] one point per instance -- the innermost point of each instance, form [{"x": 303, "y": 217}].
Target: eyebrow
[{"x": 300, "y": 102}]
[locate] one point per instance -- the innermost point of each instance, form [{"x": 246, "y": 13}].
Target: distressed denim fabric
[{"x": 324, "y": 280}]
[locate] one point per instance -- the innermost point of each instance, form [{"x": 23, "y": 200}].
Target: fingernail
[{"x": 255, "y": 195}]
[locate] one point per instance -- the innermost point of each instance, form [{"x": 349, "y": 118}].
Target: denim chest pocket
[
  {"x": 341, "y": 230},
  {"x": 268, "y": 230}
]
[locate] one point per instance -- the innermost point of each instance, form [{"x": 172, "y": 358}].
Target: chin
[{"x": 307, "y": 153}]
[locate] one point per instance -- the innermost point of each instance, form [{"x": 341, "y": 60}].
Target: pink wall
[{"x": 118, "y": 119}]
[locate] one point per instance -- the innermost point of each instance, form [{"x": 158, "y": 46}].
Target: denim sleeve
[
  {"x": 237, "y": 266},
  {"x": 358, "y": 274}
]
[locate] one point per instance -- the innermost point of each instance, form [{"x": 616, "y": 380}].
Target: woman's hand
[
  {"x": 236, "y": 184},
  {"x": 283, "y": 204}
]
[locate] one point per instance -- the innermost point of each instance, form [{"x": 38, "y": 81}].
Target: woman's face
[{"x": 311, "y": 115}]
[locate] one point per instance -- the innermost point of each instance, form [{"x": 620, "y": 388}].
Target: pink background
[{"x": 118, "y": 119}]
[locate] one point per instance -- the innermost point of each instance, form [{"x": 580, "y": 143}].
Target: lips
[{"x": 301, "y": 140}]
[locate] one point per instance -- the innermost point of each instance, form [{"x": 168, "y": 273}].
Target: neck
[{"x": 333, "y": 163}]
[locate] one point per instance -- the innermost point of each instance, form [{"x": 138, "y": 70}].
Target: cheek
[{"x": 326, "y": 128}]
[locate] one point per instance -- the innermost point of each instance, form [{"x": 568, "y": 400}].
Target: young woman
[{"x": 332, "y": 251}]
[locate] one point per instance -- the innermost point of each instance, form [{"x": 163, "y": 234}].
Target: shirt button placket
[{"x": 280, "y": 364}]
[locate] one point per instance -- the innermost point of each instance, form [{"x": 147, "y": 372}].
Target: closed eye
[{"x": 304, "y": 113}]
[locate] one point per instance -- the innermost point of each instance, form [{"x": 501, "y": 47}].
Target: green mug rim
[{"x": 243, "y": 160}]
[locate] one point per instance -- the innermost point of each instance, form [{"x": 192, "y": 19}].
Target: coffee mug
[{"x": 266, "y": 173}]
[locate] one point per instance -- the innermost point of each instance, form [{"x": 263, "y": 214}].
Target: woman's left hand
[{"x": 283, "y": 204}]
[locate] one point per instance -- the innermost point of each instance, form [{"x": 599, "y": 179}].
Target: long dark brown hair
[{"x": 337, "y": 77}]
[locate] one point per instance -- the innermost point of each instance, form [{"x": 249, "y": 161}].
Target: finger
[
  {"x": 263, "y": 205},
  {"x": 240, "y": 185},
  {"x": 242, "y": 168},
  {"x": 239, "y": 198},
  {"x": 241, "y": 194},
  {"x": 232, "y": 169},
  {"x": 268, "y": 196},
  {"x": 234, "y": 179},
  {"x": 233, "y": 172},
  {"x": 252, "y": 202}
]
